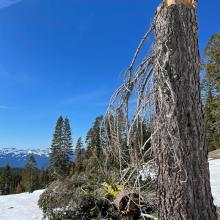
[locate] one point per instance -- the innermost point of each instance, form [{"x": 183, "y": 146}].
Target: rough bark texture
[{"x": 181, "y": 153}]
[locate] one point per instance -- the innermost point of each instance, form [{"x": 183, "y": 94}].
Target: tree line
[
  {"x": 66, "y": 160},
  {"x": 27, "y": 179}
]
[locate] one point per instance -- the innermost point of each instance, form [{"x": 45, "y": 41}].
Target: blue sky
[{"x": 65, "y": 57}]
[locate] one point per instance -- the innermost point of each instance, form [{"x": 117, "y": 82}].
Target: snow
[
  {"x": 21, "y": 206},
  {"x": 147, "y": 172},
  {"x": 24, "y": 152},
  {"x": 215, "y": 180}
]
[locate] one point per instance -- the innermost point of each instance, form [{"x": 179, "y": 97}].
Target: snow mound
[
  {"x": 21, "y": 206},
  {"x": 215, "y": 180}
]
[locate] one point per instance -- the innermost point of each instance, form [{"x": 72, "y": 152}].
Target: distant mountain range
[{"x": 17, "y": 158}]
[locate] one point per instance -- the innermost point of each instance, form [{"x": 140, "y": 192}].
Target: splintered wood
[{"x": 167, "y": 3}]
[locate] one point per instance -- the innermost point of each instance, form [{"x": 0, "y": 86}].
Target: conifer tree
[
  {"x": 79, "y": 156},
  {"x": 30, "y": 177},
  {"x": 56, "y": 148},
  {"x": 61, "y": 149},
  {"x": 210, "y": 122},
  {"x": 67, "y": 141},
  {"x": 140, "y": 134},
  {"x": 44, "y": 178},
  {"x": 212, "y": 82},
  {"x": 183, "y": 182},
  {"x": 6, "y": 180},
  {"x": 93, "y": 139}
]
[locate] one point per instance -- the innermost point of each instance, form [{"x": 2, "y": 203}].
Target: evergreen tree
[
  {"x": 140, "y": 134},
  {"x": 210, "y": 122},
  {"x": 79, "y": 156},
  {"x": 212, "y": 63},
  {"x": 178, "y": 139},
  {"x": 121, "y": 134},
  {"x": 93, "y": 139},
  {"x": 55, "y": 165},
  {"x": 67, "y": 141},
  {"x": 6, "y": 181},
  {"x": 44, "y": 178},
  {"x": 61, "y": 149},
  {"x": 16, "y": 179},
  {"x": 116, "y": 135},
  {"x": 212, "y": 85},
  {"x": 30, "y": 177},
  {"x": 94, "y": 153}
]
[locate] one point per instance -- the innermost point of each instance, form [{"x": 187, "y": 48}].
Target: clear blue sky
[{"x": 64, "y": 57}]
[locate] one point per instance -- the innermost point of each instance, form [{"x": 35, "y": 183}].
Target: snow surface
[
  {"x": 215, "y": 180},
  {"x": 21, "y": 206},
  {"x": 24, "y": 206},
  {"x": 148, "y": 172},
  {"x": 24, "y": 152}
]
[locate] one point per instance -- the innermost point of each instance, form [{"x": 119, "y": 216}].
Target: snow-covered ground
[
  {"x": 24, "y": 206},
  {"x": 21, "y": 206},
  {"x": 215, "y": 180}
]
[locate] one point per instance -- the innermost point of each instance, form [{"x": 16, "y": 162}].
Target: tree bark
[{"x": 184, "y": 190}]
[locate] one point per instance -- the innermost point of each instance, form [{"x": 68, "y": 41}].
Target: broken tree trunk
[
  {"x": 179, "y": 142},
  {"x": 128, "y": 204},
  {"x": 131, "y": 206}
]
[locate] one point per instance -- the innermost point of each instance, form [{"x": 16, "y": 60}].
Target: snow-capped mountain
[{"x": 17, "y": 158}]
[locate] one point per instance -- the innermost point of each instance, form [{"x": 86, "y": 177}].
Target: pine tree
[
  {"x": 55, "y": 165},
  {"x": 30, "y": 177},
  {"x": 120, "y": 134},
  {"x": 121, "y": 131},
  {"x": 1, "y": 183},
  {"x": 212, "y": 85},
  {"x": 44, "y": 178},
  {"x": 178, "y": 140},
  {"x": 61, "y": 149},
  {"x": 6, "y": 181},
  {"x": 79, "y": 156},
  {"x": 140, "y": 134},
  {"x": 93, "y": 139},
  {"x": 212, "y": 63},
  {"x": 94, "y": 150},
  {"x": 67, "y": 142},
  {"x": 16, "y": 179},
  {"x": 209, "y": 122}
]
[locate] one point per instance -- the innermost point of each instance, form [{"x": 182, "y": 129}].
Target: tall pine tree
[
  {"x": 30, "y": 179},
  {"x": 6, "y": 181},
  {"x": 212, "y": 82},
  {"x": 79, "y": 155},
  {"x": 56, "y": 149},
  {"x": 93, "y": 139},
  {"x": 183, "y": 183},
  {"x": 61, "y": 149},
  {"x": 67, "y": 141}
]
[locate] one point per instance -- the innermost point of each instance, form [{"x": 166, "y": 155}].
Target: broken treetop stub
[{"x": 167, "y": 3}]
